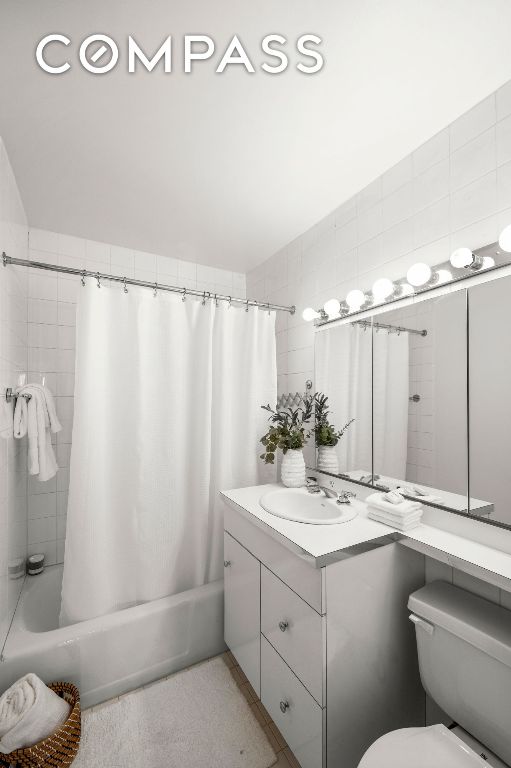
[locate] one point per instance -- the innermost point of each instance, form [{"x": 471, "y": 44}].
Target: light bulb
[
  {"x": 383, "y": 288},
  {"x": 443, "y": 276},
  {"x": 355, "y": 299},
  {"x": 309, "y": 314},
  {"x": 419, "y": 274},
  {"x": 505, "y": 239},
  {"x": 462, "y": 258},
  {"x": 488, "y": 261},
  {"x": 332, "y": 307}
]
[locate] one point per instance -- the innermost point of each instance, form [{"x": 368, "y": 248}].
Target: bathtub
[{"x": 115, "y": 653}]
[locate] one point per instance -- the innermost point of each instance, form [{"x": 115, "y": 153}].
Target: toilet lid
[{"x": 421, "y": 748}]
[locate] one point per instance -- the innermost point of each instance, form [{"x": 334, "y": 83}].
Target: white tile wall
[
  {"x": 51, "y": 350},
  {"x": 13, "y": 363}
]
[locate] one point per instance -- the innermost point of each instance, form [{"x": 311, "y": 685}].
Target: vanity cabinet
[
  {"x": 329, "y": 650},
  {"x": 242, "y": 608}
]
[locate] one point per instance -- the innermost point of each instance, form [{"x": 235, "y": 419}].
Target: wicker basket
[{"x": 60, "y": 748}]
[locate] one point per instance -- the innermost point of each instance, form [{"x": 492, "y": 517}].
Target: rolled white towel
[
  {"x": 29, "y": 712},
  {"x": 377, "y": 501},
  {"x": 403, "y": 524}
]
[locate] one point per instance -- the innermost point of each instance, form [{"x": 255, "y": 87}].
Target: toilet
[{"x": 464, "y": 651}]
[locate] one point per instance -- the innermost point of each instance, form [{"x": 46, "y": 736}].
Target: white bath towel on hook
[{"x": 37, "y": 418}]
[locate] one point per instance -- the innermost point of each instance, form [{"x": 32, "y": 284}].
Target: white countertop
[{"x": 327, "y": 543}]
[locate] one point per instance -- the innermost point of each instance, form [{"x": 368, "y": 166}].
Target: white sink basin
[{"x": 302, "y": 507}]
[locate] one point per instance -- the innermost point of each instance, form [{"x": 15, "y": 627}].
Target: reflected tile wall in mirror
[
  {"x": 420, "y": 400},
  {"x": 490, "y": 397}
]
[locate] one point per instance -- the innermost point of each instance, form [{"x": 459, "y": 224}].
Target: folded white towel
[
  {"x": 416, "y": 514},
  {"x": 37, "y": 418},
  {"x": 376, "y": 500},
  {"x": 29, "y": 712},
  {"x": 405, "y": 524}
]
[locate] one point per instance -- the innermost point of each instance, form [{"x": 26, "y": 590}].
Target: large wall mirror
[{"x": 430, "y": 398}]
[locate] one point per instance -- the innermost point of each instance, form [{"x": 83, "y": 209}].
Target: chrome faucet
[{"x": 344, "y": 497}]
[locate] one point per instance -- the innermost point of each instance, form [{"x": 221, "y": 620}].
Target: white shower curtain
[
  {"x": 390, "y": 403},
  {"x": 167, "y": 413}
]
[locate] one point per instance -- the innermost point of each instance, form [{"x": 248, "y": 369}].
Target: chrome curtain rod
[
  {"x": 204, "y": 295},
  {"x": 389, "y": 328}
]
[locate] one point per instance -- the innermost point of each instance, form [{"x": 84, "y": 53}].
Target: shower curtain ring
[
  {"x": 155, "y": 290},
  {"x": 83, "y": 277},
  {"x": 98, "y": 279},
  {"x": 230, "y": 302},
  {"x": 246, "y": 308},
  {"x": 216, "y": 301},
  {"x": 184, "y": 295},
  {"x": 204, "y": 299},
  {"x": 125, "y": 286},
  {"x": 268, "y": 308}
]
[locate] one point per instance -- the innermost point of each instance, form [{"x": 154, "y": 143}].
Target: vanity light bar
[{"x": 463, "y": 264}]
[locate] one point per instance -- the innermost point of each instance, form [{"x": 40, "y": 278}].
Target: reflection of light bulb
[
  {"x": 462, "y": 258},
  {"x": 443, "y": 276},
  {"x": 310, "y": 314},
  {"x": 332, "y": 307},
  {"x": 419, "y": 274},
  {"x": 355, "y": 299},
  {"x": 488, "y": 261},
  {"x": 505, "y": 239},
  {"x": 383, "y": 288},
  {"x": 406, "y": 289}
]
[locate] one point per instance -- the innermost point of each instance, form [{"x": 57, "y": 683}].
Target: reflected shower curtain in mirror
[
  {"x": 167, "y": 413},
  {"x": 343, "y": 373},
  {"x": 391, "y": 390}
]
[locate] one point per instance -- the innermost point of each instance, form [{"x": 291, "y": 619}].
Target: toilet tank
[{"x": 464, "y": 650}]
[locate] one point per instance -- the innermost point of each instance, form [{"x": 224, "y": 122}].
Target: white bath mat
[{"x": 194, "y": 719}]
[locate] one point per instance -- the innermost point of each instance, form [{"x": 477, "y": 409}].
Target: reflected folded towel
[
  {"x": 377, "y": 501},
  {"x": 29, "y": 712},
  {"x": 401, "y": 523},
  {"x": 418, "y": 493}
]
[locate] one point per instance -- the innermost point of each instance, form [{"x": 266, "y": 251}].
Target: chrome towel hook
[{"x": 11, "y": 395}]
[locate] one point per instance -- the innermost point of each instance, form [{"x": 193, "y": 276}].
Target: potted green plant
[
  {"x": 288, "y": 433},
  {"x": 326, "y": 435}
]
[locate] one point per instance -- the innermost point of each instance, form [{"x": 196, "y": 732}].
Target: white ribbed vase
[
  {"x": 327, "y": 459},
  {"x": 292, "y": 470}
]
